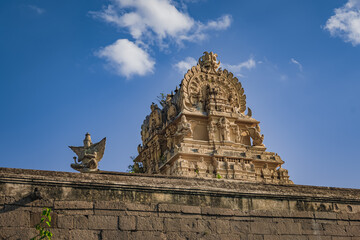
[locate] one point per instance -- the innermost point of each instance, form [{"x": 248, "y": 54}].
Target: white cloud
[
  {"x": 292, "y": 60},
  {"x": 151, "y": 22},
  {"x": 127, "y": 59},
  {"x": 36, "y": 9},
  {"x": 238, "y": 69},
  {"x": 184, "y": 65},
  {"x": 158, "y": 19},
  {"x": 346, "y": 22},
  {"x": 221, "y": 23}
]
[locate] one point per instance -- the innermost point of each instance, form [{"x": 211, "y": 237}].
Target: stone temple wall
[{"x": 111, "y": 205}]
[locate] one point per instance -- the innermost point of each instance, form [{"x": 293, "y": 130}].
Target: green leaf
[
  {"x": 49, "y": 217},
  {"x": 44, "y": 212},
  {"x": 48, "y": 224}
]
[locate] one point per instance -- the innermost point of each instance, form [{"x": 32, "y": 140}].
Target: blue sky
[{"x": 68, "y": 67}]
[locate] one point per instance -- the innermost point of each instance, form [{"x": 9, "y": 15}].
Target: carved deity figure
[
  {"x": 155, "y": 117},
  {"x": 184, "y": 128},
  {"x": 211, "y": 130},
  {"x": 89, "y": 155},
  {"x": 224, "y": 129},
  {"x": 171, "y": 111},
  {"x": 265, "y": 172}
]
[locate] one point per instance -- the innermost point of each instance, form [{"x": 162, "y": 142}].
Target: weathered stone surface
[
  {"x": 78, "y": 205},
  {"x": 223, "y": 226},
  {"x": 65, "y": 221},
  {"x": 15, "y": 219},
  {"x": 172, "y": 225},
  {"x": 114, "y": 234},
  {"x": 81, "y": 222},
  {"x": 15, "y": 233},
  {"x": 109, "y": 205},
  {"x": 240, "y": 227},
  {"x": 150, "y": 224},
  {"x": 262, "y": 228},
  {"x": 84, "y": 234},
  {"x": 103, "y": 222},
  {"x": 189, "y": 225},
  {"x": 127, "y": 223},
  {"x": 176, "y": 211}
]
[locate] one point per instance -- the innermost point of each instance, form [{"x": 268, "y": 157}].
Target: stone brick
[
  {"x": 354, "y": 216},
  {"x": 175, "y": 236},
  {"x": 342, "y": 216},
  {"x": 287, "y": 228},
  {"x": 65, "y": 221},
  {"x": 239, "y": 227},
  {"x": 60, "y": 234},
  {"x": 262, "y": 228},
  {"x": 188, "y": 225},
  {"x": 319, "y": 237},
  {"x": 139, "y": 207},
  {"x": 340, "y": 222},
  {"x": 293, "y": 237},
  {"x": 147, "y": 235},
  {"x": 84, "y": 234},
  {"x": 164, "y": 207},
  {"x": 16, "y": 233},
  {"x": 352, "y": 222},
  {"x": 272, "y": 237},
  {"x": 312, "y": 228},
  {"x": 80, "y": 222},
  {"x": 251, "y": 237},
  {"x": 216, "y": 211},
  {"x": 172, "y": 224},
  {"x": 340, "y": 238},
  {"x": 109, "y": 205},
  {"x": 73, "y": 205},
  {"x": 334, "y": 230},
  {"x": 15, "y": 219},
  {"x": 191, "y": 209},
  {"x": 114, "y": 234},
  {"x": 149, "y": 223},
  {"x": 103, "y": 222},
  {"x": 127, "y": 223},
  {"x": 325, "y": 215},
  {"x": 353, "y": 231},
  {"x": 206, "y": 226},
  {"x": 223, "y": 226}
]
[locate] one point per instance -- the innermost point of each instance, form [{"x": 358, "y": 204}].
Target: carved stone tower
[{"x": 202, "y": 131}]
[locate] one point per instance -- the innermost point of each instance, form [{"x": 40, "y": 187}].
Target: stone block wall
[{"x": 111, "y": 205}]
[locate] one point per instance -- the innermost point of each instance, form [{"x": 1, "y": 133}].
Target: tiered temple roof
[{"x": 201, "y": 130}]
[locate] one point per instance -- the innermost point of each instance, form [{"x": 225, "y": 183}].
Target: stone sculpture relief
[
  {"x": 201, "y": 130},
  {"x": 89, "y": 155}
]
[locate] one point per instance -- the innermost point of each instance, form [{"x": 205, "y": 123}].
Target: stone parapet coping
[{"x": 171, "y": 184}]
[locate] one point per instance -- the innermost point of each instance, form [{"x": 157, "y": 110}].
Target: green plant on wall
[
  {"x": 218, "y": 176},
  {"x": 45, "y": 221},
  {"x": 136, "y": 167}
]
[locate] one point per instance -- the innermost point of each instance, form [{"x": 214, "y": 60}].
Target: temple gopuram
[{"x": 202, "y": 130}]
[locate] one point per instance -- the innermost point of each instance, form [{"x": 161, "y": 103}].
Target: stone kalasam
[{"x": 202, "y": 130}]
